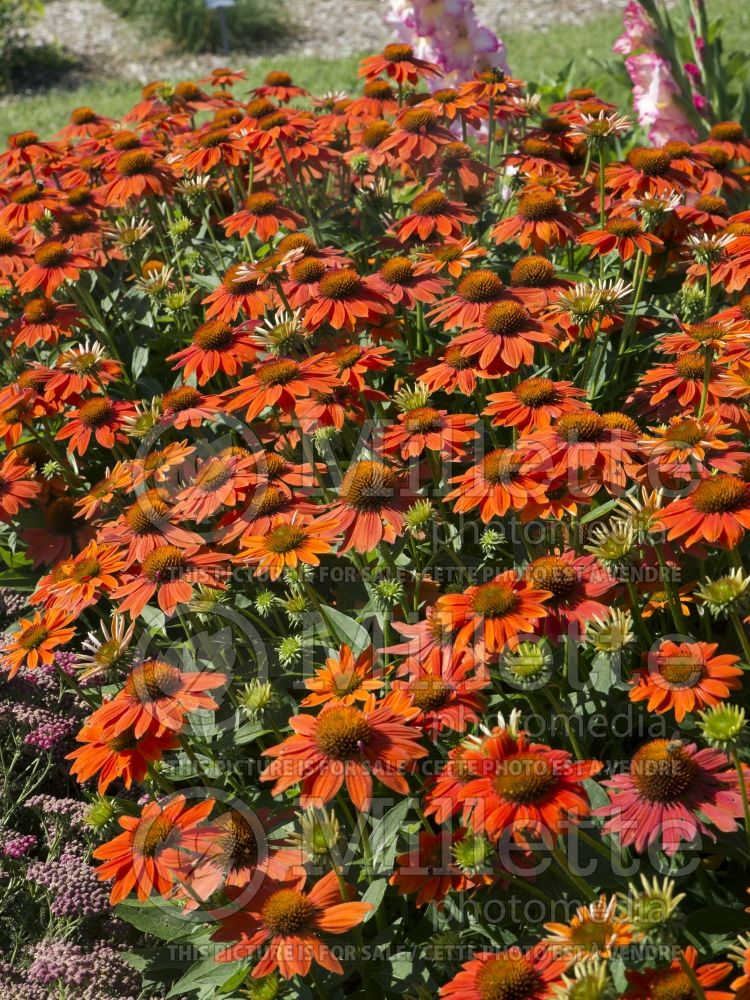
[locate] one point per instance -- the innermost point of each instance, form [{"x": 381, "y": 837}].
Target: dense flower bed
[{"x": 377, "y": 479}]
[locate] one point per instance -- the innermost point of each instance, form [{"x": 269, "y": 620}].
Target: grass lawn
[{"x": 535, "y": 56}]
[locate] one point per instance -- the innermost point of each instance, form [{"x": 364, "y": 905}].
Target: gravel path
[{"x": 106, "y": 46}]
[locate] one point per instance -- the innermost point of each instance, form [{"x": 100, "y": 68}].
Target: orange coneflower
[
  {"x": 56, "y": 538},
  {"x": 14, "y": 252},
  {"x": 280, "y": 383},
  {"x": 506, "y": 333},
  {"x": 371, "y": 505},
  {"x": 100, "y": 417},
  {"x": 589, "y": 445},
  {"x": 216, "y": 347},
  {"x": 624, "y": 236},
  {"x": 433, "y": 214},
  {"x": 27, "y": 204},
  {"x": 280, "y": 86},
  {"x": 157, "y": 465},
  {"x": 424, "y": 428},
  {"x": 80, "y": 369},
  {"x": 344, "y": 680},
  {"x": 184, "y": 406},
  {"x": 534, "y": 280},
  {"x": 505, "y": 479},
  {"x": 453, "y": 256},
  {"x": 594, "y": 930},
  {"x": 122, "y": 756},
  {"x": 717, "y": 511},
  {"x": 156, "y": 848},
  {"x": 54, "y": 263},
  {"x": 286, "y": 544},
  {"x": 35, "y": 640},
  {"x": 344, "y": 299},
  {"x": 520, "y": 787},
  {"x": 417, "y": 135},
  {"x": 429, "y": 872},
  {"x": 474, "y": 294},
  {"x": 534, "y": 403},
  {"x": 398, "y": 62},
  {"x": 540, "y": 222},
  {"x": 76, "y": 583},
  {"x": 262, "y": 214},
  {"x": 219, "y": 482},
  {"x": 347, "y": 745},
  {"x": 157, "y": 695},
  {"x": 440, "y": 687},
  {"x": 455, "y": 372},
  {"x": 145, "y": 525},
  {"x": 669, "y": 795},
  {"x": 43, "y": 321},
  {"x": 17, "y": 488},
  {"x": 672, "y": 980},
  {"x": 238, "y": 292},
  {"x": 534, "y": 974},
  {"x": 137, "y": 172},
  {"x": 715, "y": 335},
  {"x": 285, "y": 922},
  {"x": 490, "y": 614},
  {"x": 684, "y": 677},
  {"x": 170, "y": 573},
  {"x": 575, "y": 583},
  {"x": 402, "y": 282},
  {"x": 646, "y": 173}
]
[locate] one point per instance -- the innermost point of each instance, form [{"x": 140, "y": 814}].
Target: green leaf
[
  {"x": 165, "y": 922},
  {"x": 375, "y": 893},
  {"x": 348, "y": 630},
  {"x": 140, "y": 359}
]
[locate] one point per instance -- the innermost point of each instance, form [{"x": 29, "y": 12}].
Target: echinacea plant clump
[{"x": 375, "y": 506}]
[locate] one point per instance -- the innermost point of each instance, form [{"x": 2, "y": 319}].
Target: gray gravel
[{"x": 106, "y": 46}]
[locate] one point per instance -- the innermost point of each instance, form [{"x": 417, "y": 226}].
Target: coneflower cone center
[
  {"x": 146, "y": 513},
  {"x": 153, "y": 835},
  {"x": 164, "y": 564},
  {"x": 367, "y": 484},
  {"x": 96, "y": 412},
  {"x": 720, "y": 495},
  {"x": 535, "y": 392},
  {"x": 554, "y": 574},
  {"x": 340, "y": 284},
  {"x": 509, "y": 978},
  {"x": 430, "y": 694},
  {"x": 680, "y": 669},
  {"x": 480, "y": 286},
  {"x": 422, "y": 420},
  {"x": 32, "y": 637},
  {"x": 430, "y": 203},
  {"x": 153, "y": 680},
  {"x": 493, "y": 600},
  {"x": 239, "y": 846},
  {"x": 342, "y": 732},
  {"x": 212, "y": 335},
  {"x": 524, "y": 778},
  {"x": 501, "y": 466},
  {"x": 506, "y": 318},
  {"x": 672, "y": 985},
  {"x": 662, "y": 774},
  {"x": 182, "y": 398},
  {"x": 284, "y": 538}
]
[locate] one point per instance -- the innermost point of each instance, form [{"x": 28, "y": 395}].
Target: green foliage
[{"x": 195, "y": 28}]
